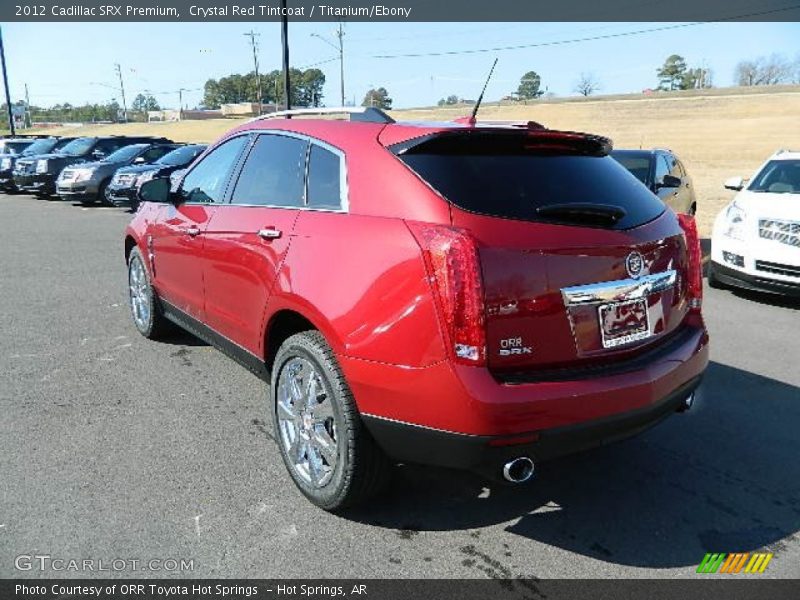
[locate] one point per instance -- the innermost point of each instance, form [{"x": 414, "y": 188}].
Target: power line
[{"x": 581, "y": 39}]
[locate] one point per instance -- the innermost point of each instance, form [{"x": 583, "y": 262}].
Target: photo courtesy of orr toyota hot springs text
[{"x": 460, "y": 301}]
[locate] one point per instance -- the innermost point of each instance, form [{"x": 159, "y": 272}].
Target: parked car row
[{"x": 83, "y": 168}]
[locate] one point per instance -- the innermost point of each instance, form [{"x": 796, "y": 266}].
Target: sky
[{"x": 74, "y": 62}]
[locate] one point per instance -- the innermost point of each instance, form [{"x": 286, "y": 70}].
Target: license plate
[{"x": 623, "y": 322}]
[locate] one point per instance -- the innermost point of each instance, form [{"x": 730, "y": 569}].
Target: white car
[{"x": 756, "y": 238}]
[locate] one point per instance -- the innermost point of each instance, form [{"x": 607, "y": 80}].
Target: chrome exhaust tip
[
  {"x": 518, "y": 470},
  {"x": 687, "y": 403}
]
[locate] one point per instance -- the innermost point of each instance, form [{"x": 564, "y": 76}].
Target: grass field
[{"x": 717, "y": 135}]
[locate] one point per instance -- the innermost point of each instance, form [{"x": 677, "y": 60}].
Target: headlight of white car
[
  {"x": 83, "y": 174},
  {"x": 735, "y": 218},
  {"x": 5, "y": 164},
  {"x": 41, "y": 166}
]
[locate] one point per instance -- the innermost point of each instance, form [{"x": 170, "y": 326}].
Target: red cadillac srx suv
[{"x": 481, "y": 296}]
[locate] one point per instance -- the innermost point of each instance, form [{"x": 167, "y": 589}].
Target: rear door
[
  {"x": 176, "y": 238},
  {"x": 248, "y": 238},
  {"x": 580, "y": 262}
]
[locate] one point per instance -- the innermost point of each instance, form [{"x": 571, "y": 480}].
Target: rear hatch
[{"x": 581, "y": 264}]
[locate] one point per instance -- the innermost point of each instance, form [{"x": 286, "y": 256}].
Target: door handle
[
  {"x": 269, "y": 233},
  {"x": 192, "y": 231}
]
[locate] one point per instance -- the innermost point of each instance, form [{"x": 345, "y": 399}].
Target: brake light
[
  {"x": 694, "y": 268},
  {"x": 451, "y": 258}
]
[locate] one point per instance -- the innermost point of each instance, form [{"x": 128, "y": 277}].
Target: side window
[
  {"x": 109, "y": 146},
  {"x": 152, "y": 154},
  {"x": 674, "y": 166},
  {"x": 324, "y": 178},
  {"x": 205, "y": 183},
  {"x": 273, "y": 173},
  {"x": 662, "y": 168}
]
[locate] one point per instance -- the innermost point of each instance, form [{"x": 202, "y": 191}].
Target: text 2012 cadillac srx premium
[{"x": 479, "y": 296}]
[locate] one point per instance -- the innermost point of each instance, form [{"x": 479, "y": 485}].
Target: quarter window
[
  {"x": 205, "y": 183},
  {"x": 324, "y": 178},
  {"x": 273, "y": 173}
]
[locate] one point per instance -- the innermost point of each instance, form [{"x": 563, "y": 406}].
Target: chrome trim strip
[{"x": 620, "y": 290}]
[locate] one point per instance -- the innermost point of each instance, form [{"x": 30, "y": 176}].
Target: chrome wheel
[
  {"x": 306, "y": 422},
  {"x": 139, "y": 294}
]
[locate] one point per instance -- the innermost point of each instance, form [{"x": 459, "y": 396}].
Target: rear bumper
[
  {"x": 457, "y": 411},
  {"x": 487, "y": 454},
  {"x": 758, "y": 283}
]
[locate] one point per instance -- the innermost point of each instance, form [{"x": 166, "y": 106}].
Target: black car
[
  {"x": 40, "y": 172},
  {"x": 126, "y": 181},
  {"x": 664, "y": 174},
  {"x": 8, "y": 163}
]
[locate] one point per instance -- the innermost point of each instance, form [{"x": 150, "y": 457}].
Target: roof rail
[{"x": 360, "y": 114}]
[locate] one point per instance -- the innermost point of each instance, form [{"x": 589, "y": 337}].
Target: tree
[
  {"x": 672, "y": 75},
  {"x": 378, "y": 98},
  {"x": 449, "y": 101},
  {"x": 699, "y": 78},
  {"x": 587, "y": 84},
  {"x": 764, "y": 70},
  {"x": 306, "y": 88},
  {"x": 142, "y": 104},
  {"x": 529, "y": 86}
]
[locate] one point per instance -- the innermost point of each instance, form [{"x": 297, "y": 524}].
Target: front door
[
  {"x": 175, "y": 241},
  {"x": 248, "y": 239}
]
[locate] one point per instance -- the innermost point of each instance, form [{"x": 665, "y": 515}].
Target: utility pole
[
  {"x": 254, "y": 43},
  {"x": 5, "y": 83},
  {"x": 180, "y": 103},
  {"x": 287, "y": 88},
  {"x": 340, "y": 48},
  {"x": 122, "y": 92},
  {"x": 28, "y": 114}
]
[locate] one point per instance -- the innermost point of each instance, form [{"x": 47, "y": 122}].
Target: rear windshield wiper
[{"x": 583, "y": 212}]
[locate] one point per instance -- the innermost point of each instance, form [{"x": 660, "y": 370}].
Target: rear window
[{"x": 521, "y": 177}]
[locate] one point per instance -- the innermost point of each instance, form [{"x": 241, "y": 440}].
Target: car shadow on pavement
[
  {"x": 767, "y": 299},
  {"x": 723, "y": 477}
]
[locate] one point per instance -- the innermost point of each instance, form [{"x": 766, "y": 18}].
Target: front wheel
[
  {"x": 143, "y": 301},
  {"x": 329, "y": 454}
]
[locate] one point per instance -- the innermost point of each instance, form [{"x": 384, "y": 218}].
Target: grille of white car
[
  {"x": 124, "y": 178},
  {"x": 778, "y": 269},
  {"x": 785, "y": 232}
]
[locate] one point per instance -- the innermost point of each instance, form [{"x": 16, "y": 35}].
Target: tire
[
  {"x": 142, "y": 299},
  {"x": 328, "y": 452},
  {"x": 713, "y": 282}
]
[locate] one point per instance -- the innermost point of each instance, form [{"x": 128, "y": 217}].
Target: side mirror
[
  {"x": 139, "y": 160},
  {"x": 734, "y": 183},
  {"x": 670, "y": 181},
  {"x": 156, "y": 190},
  {"x": 98, "y": 154}
]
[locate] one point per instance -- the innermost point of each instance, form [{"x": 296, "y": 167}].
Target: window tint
[
  {"x": 273, "y": 173},
  {"x": 638, "y": 165},
  {"x": 674, "y": 166},
  {"x": 324, "y": 178},
  {"x": 155, "y": 153},
  {"x": 206, "y": 182},
  {"x": 778, "y": 177},
  {"x": 109, "y": 146},
  {"x": 518, "y": 177},
  {"x": 662, "y": 168}
]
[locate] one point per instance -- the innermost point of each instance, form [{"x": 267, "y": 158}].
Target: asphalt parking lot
[{"x": 116, "y": 447}]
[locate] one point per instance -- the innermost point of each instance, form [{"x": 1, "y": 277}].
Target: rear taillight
[
  {"x": 694, "y": 268},
  {"x": 451, "y": 259}
]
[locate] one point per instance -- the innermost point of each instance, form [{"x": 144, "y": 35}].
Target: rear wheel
[
  {"x": 329, "y": 454},
  {"x": 143, "y": 301}
]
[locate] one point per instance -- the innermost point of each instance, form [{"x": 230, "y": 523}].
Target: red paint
[{"x": 397, "y": 280}]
